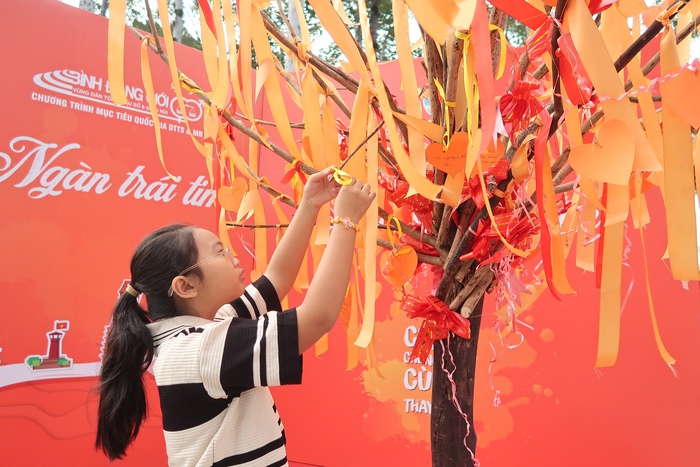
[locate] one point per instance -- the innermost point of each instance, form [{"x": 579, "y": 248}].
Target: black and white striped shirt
[{"x": 212, "y": 378}]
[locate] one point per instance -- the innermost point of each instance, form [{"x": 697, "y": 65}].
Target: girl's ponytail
[
  {"x": 129, "y": 347},
  {"x": 127, "y": 354}
]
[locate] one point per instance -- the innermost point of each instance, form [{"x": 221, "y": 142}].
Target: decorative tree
[{"x": 526, "y": 152}]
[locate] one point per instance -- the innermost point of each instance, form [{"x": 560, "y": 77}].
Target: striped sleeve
[
  {"x": 258, "y": 298},
  {"x": 239, "y": 354}
]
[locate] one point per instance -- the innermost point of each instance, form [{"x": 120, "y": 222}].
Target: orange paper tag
[
  {"x": 681, "y": 95},
  {"x": 230, "y": 197},
  {"x": 609, "y": 158},
  {"x": 452, "y": 159},
  {"x": 399, "y": 266}
]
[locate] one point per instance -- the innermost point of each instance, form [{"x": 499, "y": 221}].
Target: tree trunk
[
  {"x": 293, "y": 17},
  {"x": 103, "y": 7},
  {"x": 447, "y": 426},
  {"x": 178, "y": 25},
  {"x": 88, "y": 5},
  {"x": 373, "y": 14}
]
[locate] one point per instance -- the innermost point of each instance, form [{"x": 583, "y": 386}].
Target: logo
[{"x": 88, "y": 90}]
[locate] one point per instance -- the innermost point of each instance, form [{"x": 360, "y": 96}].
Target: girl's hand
[
  {"x": 321, "y": 188},
  {"x": 354, "y": 200}
]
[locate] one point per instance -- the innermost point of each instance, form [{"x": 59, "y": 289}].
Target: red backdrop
[{"x": 66, "y": 239}]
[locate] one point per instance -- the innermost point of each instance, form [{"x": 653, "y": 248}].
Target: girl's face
[{"x": 222, "y": 277}]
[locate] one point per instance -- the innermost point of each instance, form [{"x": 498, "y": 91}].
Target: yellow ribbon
[
  {"x": 343, "y": 178},
  {"x": 502, "y": 55},
  {"x": 188, "y": 84},
  {"x": 390, "y": 233},
  {"x": 471, "y": 88},
  {"x": 441, "y": 91}
]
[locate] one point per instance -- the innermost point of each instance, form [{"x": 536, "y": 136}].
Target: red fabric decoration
[{"x": 438, "y": 322}]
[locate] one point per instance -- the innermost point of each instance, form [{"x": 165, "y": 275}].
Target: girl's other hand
[
  {"x": 354, "y": 200},
  {"x": 321, "y": 188}
]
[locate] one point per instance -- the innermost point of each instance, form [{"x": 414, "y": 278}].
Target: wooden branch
[
  {"x": 452, "y": 263},
  {"x": 369, "y": 136},
  {"x": 564, "y": 188},
  {"x": 524, "y": 64},
  {"x": 292, "y": 32},
  {"x": 350, "y": 83},
  {"x": 269, "y": 123},
  {"x": 467, "y": 212},
  {"x": 154, "y": 31},
  {"x": 451, "y": 82},
  {"x": 451, "y": 86},
  {"x": 432, "y": 56},
  {"x": 481, "y": 287},
  {"x": 685, "y": 32},
  {"x": 464, "y": 271},
  {"x": 444, "y": 229},
  {"x": 556, "y": 81},
  {"x": 432, "y": 73},
  {"x": 499, "y": 19},
  {"x": 561, "y": 169},
  {"x": 413, "y": 233},
  {"x": 422, "y": 257},
  {"x": 635, "y": 99},
  {"x": 334, "y": 97},
  {"x": 459, "y": 299},
  {"x": 287, "y": 77},
  {"x": 652, "y": 30}
]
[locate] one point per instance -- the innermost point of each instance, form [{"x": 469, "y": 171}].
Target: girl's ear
[{"x": 184, "y": 287}]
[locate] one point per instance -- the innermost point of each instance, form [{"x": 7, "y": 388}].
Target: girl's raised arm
[
  {"x": 289, "y": 254},
  {"x": 319, "y": 311}
]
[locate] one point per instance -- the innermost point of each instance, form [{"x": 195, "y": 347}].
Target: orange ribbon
[{"x": 438, "y": 321}]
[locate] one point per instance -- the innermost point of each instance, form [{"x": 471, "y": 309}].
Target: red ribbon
[
  {"x": 208, "y": 15},
  {"x": 438, "y": 322},
  {"x": 579, "y": 87},
  {"x": 421, "y": 207},
  {"x": 520, "y": 105},
  {"x": 517, "y": 231},
  {"x": 294, "y": 170}
]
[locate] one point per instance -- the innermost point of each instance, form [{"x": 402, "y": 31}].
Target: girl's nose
[{"x": 236, "y": 262}]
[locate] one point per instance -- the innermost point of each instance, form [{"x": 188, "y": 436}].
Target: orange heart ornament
[
  {"x": 610, "y": 157},
  {"x": 452, "y": 159},
  {"x": 682, "y": 96},
  {"x": 399, "y": 265},
  {"x": 230, "y": 197}
]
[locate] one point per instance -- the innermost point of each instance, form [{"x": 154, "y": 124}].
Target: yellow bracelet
[{"x": 346, "y": 222}]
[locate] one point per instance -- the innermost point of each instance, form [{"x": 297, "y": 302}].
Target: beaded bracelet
[{"x": 346, "y": 222}]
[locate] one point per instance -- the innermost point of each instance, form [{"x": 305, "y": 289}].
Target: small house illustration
[{"x": 54, "y": 358}]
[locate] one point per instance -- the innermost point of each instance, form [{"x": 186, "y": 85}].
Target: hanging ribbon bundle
[
  {"x": 438, "y": 321},
  {"x": 294, "y": 174},
  {"x": 520, "y": 105},
  {"x": 421, "y": 208}
]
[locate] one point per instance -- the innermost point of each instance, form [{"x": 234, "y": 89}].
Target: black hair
[{"x": 128, "y": 350}]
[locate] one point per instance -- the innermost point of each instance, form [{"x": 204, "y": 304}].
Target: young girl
[{"x": 218, "y": 343}]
